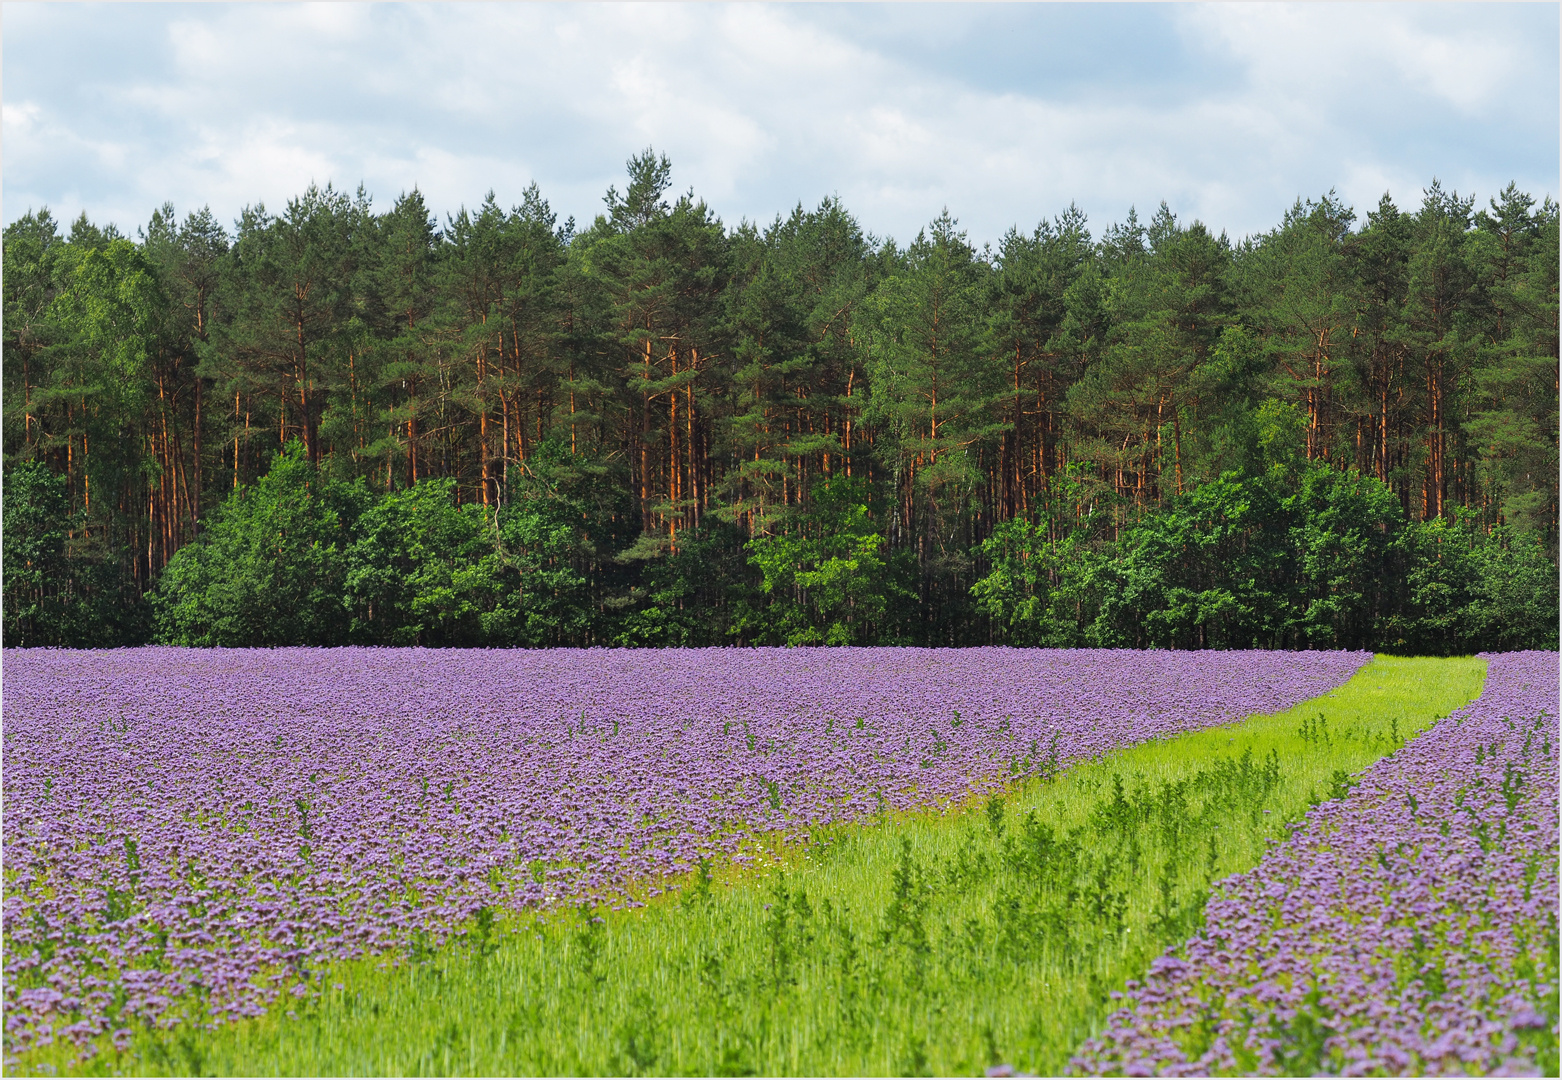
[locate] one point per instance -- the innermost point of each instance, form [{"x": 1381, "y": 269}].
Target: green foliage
[
  {"x": 685, "y": 596},
  {"x": 1034, "y": 424},
  {"x": 938, "y": 943},
  {"x": 1292, "y": 559},
  {"x": 110, "y": 300},
  {"x": 60, "y": 590},
  {"x": 1466, "y": 588},
  {"x": 1298, "y": 557},
  {"x": 270, "y": 568},
  {"x": 826, "y": 576},
  {"x": 1301, "y": 556},
  {"x": 37, "y": 519},
  {"x": 1202, "y": 574},
  {"x": 1166, "y": 306},
  {"x": 546, "y": 533},
  {"x": 926, "y": 354},
  {"x": 793, "y": 315},
  {"x": 416, "y": 574},
  {"x": 1341, "y": 531},
  {"x": 293, "y": 283},
  {"x": 1041, "y": 590}
]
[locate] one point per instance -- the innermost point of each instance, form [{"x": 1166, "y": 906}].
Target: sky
[{"x": 1003, "y": 113}]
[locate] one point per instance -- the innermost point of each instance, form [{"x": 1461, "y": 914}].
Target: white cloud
[
  {"x": 1302, "y": 54},
  {"x": 1229, "y": 116}
]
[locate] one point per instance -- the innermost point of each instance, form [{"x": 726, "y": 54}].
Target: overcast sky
[{"x": 1003, "y": 113}]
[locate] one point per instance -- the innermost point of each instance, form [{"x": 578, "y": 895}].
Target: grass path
[{"x": 934, "y": 944}]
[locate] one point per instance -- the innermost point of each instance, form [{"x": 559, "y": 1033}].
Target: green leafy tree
[
  {"x": 1466, "y": 590},
  {"x": 935, "y": 400},
  {"x": 662, "y": 268},
  {"x": 1384, "y": 406},
  {"x": 271, "y": 566},
  {"x": 1294, "y": 556},
  {"x": 421, "y": 570},
  {"x": 932, "y": 384},
  {"x": 556, "y": 537},
  {"x": 32, "y": 246},
  {"x": 829, "y": 579},
  {"x": 1343, "y": 527},
  {"x": 504, "y": 277},
  {"x": 1205, "y": 573},
  {"x": 1037, "y": 335},
  {"x": 794, "y": 391},
  {"x": 37, "y": 517},
  {"x": 543, "y": 544},
  {"x": 698, "y": 595},
  {"x": 60, "y": 590},
  {"x": 398, "y": 340},
  {"x": 1040, "y": 588},
  {"x": 106, "y": 316},
  {"x": 188, "y": 260},
  {"x": 1440, "y": 335}
]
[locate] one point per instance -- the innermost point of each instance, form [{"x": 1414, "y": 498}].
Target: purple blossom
[
  {"x": 189, "y": 834},
  {"x": 1410, "y": 927}
]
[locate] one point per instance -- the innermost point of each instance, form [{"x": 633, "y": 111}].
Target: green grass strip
[{"x": 936, "y": 944}]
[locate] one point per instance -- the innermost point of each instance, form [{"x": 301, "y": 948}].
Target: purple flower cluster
[
  {"x": 188, "y": 833},
  {"x": 1410, "y": 927}
]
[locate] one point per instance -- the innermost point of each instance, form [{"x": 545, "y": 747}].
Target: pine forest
[{"x": 335, "y": 424}]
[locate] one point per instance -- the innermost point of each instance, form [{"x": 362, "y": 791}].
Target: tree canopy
[{"x": 336, "y": 424}]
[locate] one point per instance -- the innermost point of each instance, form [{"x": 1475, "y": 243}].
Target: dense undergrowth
[{"x": 926, "y": 944}]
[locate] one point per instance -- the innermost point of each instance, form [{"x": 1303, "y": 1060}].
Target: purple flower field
[
  {"x": 187, "y": 833},
  {"x": 1410, "y": 927}
]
